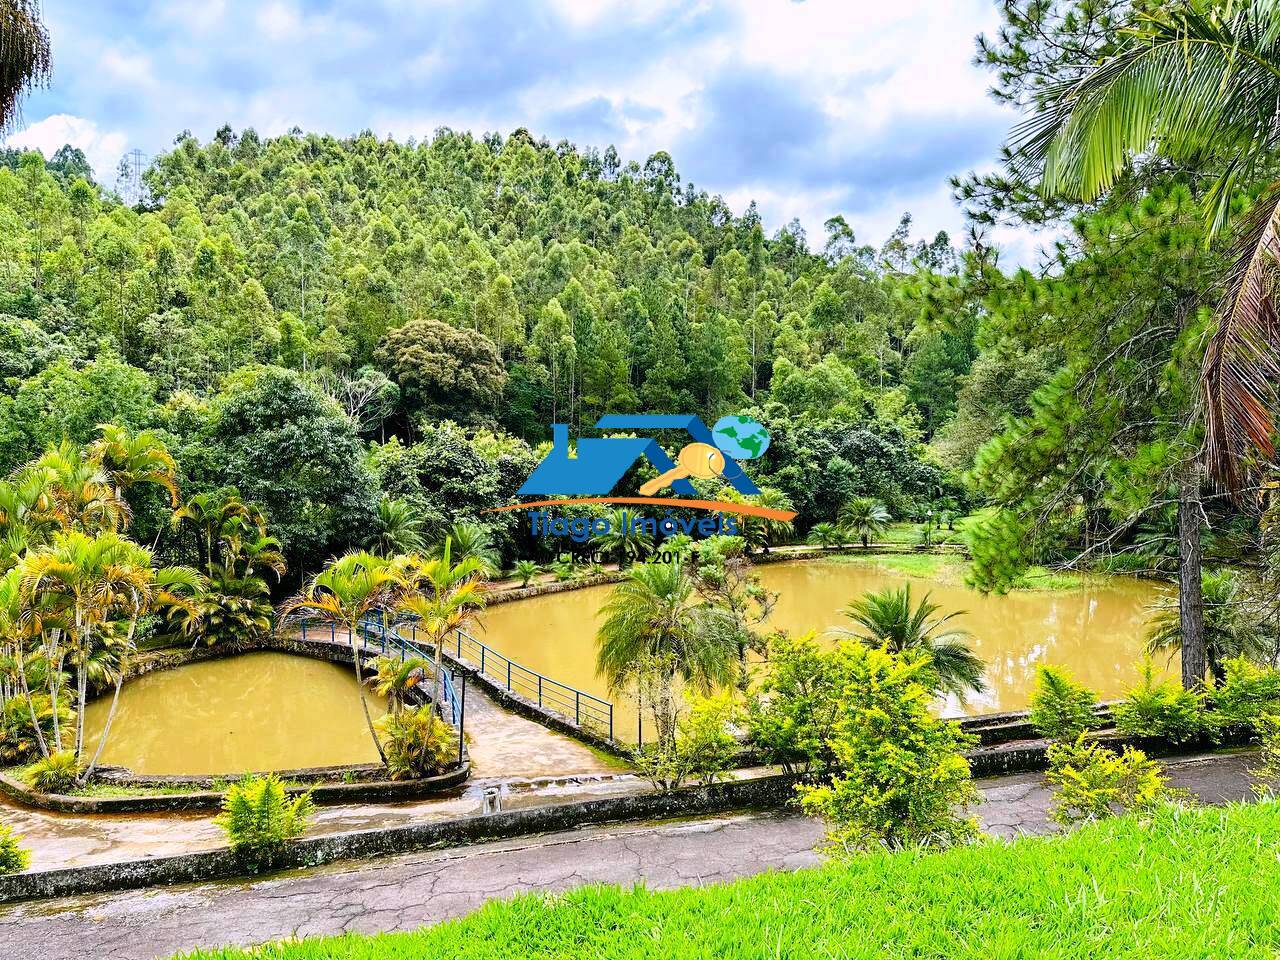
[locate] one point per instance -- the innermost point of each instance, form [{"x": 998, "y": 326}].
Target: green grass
[
  {"x": 929, "y": 566},
  {"x": 1199, "y": 884}
]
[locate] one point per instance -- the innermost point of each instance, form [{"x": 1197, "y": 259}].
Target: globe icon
[{"x": 741, "y": 437}]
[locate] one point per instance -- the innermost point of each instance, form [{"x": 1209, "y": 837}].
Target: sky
[{"x": 812, "y": 108}]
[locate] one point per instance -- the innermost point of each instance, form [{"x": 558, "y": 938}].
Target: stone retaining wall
[{"x": 769, "y": 791}]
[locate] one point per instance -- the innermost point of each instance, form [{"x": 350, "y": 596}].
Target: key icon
[{"x": 700, "y": 460}]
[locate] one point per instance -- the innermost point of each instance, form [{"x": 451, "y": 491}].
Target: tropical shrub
[
  {"x": 900, "y": 778},
  {"x": 259, "y": 818},
  {"x": 706, "y": 744},
  {"x": 1231, "y": 623},
  {"x": 1247, "y": 692},
  {"x": 824, "y": 535},
  {"x": 1160, "y": 709},
  {"x": 1061, "y": 709},
  {"x": 13, "y": 858},
  {"x": 54, "y": 774},
  {"x": 525, "y": 571},
  {"x": 792, "y": 711},
  {"x": 1266, "y": 776},
  {"x": 18, "y": 741},
  {"x": 1091, "y": 782},
  {"x": 417, "y": 743},
  {"x": 863, "y": 518}
]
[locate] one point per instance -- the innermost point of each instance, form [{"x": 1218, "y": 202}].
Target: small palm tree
[
  {"x": 1232, "y": 626},
  {"x": 444, "y": 596},
  {"x": 621, "y": 540},
  {"x": 132, "y": 459},
  {"x": 399, "y": 528},
  {"x": 349, "y": 589},
  {"x": 890, "y": 619},
  {"x": 525, "y": 570},
  {"x": 864, "y": 518},
  {"x": 396, "y": 677},
  {"x": 825, "y": 535}
]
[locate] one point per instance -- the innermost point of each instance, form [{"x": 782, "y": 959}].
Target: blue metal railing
[{"x": 584, "y": 709}]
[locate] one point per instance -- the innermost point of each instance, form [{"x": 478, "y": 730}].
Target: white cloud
[
  {"x": 103, "y": 148},
  {"x": 125, "y": 67}
]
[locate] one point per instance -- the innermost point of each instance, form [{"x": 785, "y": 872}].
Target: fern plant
[
  {"x": 13, "y": 858},
  {"x": 260, "y": 819},
  {"x": 1061, "y": 709},
  {"x": 55, "y": 774}
]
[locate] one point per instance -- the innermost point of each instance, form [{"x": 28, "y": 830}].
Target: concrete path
[{"x": 407, "y": 892}]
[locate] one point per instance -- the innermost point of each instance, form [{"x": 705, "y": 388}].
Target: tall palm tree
[
  {"x": 75, "y": 493},
  {"x": 97, "y": 589},
  {"x": 653, "y": 620},
  {"x": 890, "y": 619},
  {"x": 1232, "y": 624},
  {"x": 25, "y": 59},
  {"x": 399, "y": 528},
  {"x": 130, "y": 459},
  {"x": 344, "y": 593},
  {"x": 863, "y": 518},
  {"x": 396, "y": 677},
  {"x": 445, "y": 597},
  {"x": 208, "y": 514}
]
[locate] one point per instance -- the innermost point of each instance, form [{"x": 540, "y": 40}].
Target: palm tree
[
  {"x": 622, "y": 539},
  {"x": 471, "y": 541},
  {"x": 25, "y": 59},
  {"x": 824, "y": 535},
  {"x": 208, "y": 513},
  {"x": 396, "y": 677},
  {"x": 445, "y": 597},
  {"x": 525, "y": 570},
  {"x": 129, "y": 460},
  {"x": 863, "y": 518},
  {"x": 891, "y": 620},
  {"x": 344, "y": 593},
  {"x": 75, "y": 493},
  {"x": 653, "y": 621},
  {"x": 1232, "y": 626},
  {"x": 92, "y": 585},
  {"x": 399, "y": 528}
]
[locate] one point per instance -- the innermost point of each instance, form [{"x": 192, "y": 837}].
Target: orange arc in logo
[{"x": 723, "y": 506}]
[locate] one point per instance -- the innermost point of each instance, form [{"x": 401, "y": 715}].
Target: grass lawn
[{"x": 1200, "y": 883}]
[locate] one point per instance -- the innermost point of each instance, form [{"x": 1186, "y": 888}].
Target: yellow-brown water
[
  {"x": 1096, "y": 631},
  {"x": 257, "y": 711}
]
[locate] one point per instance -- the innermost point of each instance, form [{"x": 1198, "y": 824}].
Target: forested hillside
[{"x": 320, "y": 321}]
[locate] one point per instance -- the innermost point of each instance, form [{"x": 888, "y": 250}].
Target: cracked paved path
[{"x": 406, "y": 892}]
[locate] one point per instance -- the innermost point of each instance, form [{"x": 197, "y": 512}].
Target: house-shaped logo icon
[{"x": 601, "y": 462}]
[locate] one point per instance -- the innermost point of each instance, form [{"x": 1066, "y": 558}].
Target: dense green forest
[{"x": 320, "y": 323}]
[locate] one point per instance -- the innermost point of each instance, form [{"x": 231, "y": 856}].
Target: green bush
[
  {"x": 417, "y": 743},
  {"x": 792, "y": 711},
  {"x": 18, "y": 742},
  {"x": 1061, "y": 709},
  {"x": 901, "y": 778},
  {"x": 1266, "y": 776},
  {"x": 1091, "y": 782},
  {"x": 1160, "y": 709},
  {"x": 56, "y": 774},
  {"x": 704, "y": 748},
  {"x": 13, "y": 858},
  {"x": 525, "y": 571},
  {"x": 1246, "y": 693},
  {"x": 260, "y": 819}
]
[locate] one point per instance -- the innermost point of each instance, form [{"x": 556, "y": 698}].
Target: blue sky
[{"x": 860, "y": 107}]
